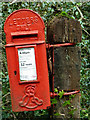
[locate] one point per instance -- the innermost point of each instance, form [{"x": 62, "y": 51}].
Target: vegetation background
[{"x": 80, "y": 11}]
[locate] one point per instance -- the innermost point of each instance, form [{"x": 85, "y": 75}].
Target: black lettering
[
  {"x": 22, "y": 64},
  {"x": 29, "y": 64},
  {"x": 25, "y": 52}
]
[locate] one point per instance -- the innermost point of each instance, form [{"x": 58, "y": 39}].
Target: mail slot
[
  {"x": 23, "y": 35},
  {"x": 27, "y": 61}
]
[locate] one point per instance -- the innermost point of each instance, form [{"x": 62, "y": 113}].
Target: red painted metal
[
  {"x": 59, "y": 45},
  {"x": 24, "y": 29},
  {"x": 25, "y": 43},
  {"x": 53, "y": 94},
  {"x": 24, "y": 33},
  {"x": 53, "y": 72}
]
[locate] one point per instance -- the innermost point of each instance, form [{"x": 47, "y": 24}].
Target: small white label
[{"x": 27, "y": 64}]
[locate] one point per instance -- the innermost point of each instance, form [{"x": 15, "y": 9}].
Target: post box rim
[{"x": 23, "y": 10}]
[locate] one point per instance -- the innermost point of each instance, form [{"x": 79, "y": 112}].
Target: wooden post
[
  {"x": 66, "y": 63},
  {"x": 63, "y": 30}
]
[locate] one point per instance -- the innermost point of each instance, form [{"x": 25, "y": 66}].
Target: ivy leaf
[
  {"x": 71, "y": 96},
  {"x": 53, "y": 101},
  {"x": 63, "y": 13},
  {"x": 57, "y": 114},
  {"x": 72, "y": 111},
  {"x": 76, "y": 13},
  {"x": 84, "y": 111},
  {"x": 61, "y": 94},
  {"x": 86, "y": 115},
  {"x": 56, "y": 90},
  {"x": 66, "y": 103}
]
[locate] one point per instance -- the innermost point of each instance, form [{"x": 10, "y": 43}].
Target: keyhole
[{"x": 15, "y": 72}]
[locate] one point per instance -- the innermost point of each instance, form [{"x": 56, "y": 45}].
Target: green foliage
[
  {"x": 56, "y": 90},
  {"x": 47, "y": 11},
  {"x": 53, "y": 101},
  {"x": 71, "y": 112},
  {"x": 63, "y": 13},
  {"x": 57, "y": 114},
  {"x": 72, "y": 96},
  {"x": 61, "y": 94},
  {"x": 66, "y": 103},
  {"x": 84, "y": 113}
]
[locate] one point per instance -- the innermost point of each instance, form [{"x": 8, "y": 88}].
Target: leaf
[
  {"x": 72, "y": 96},
  {"x": 86, "y": 115},
  {"x": 53, "y": 101},
  {"x": 73, "y": 17},
  {"x": 66, "y": 103},
  {"x": 63, "y": 13},
  {"x": 3, "y": 107},
  {"x": 84, "y": 111},
  {"x": 57, "y": 114},
  {"x": 76, "y": 13},
  {"x": 61, "y": 94},
  {"x": 56, "y": 90},
  {"x": 72, "y": 111}
]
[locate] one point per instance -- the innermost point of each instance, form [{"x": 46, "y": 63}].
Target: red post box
[{"x": 27, "y": 61}]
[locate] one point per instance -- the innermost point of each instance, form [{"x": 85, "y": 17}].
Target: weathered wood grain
[
  {"x": 67, "y": 64},
  {"x": 61, "y": 30}
]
